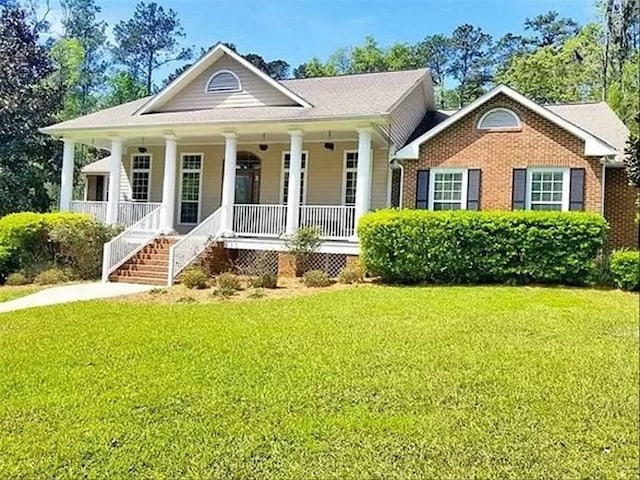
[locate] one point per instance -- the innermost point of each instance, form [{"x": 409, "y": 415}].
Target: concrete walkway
[{"x": 73, "y": 293}]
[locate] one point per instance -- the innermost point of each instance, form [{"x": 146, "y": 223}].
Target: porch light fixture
[
  {"x": 142, "y": 149},
  {"x": 263, "y": 147},
  {"x": 329, "y": 145}
]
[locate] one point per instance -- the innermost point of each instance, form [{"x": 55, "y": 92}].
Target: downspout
[{"x": 603, "y": 185}]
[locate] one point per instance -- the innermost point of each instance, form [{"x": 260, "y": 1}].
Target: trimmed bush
[
  {"x": 51, "y": 276},
  {"x": 228, "y": 281},
  {"x": 316, "y": 278},
  {"x": 625, "y": 269},
  {"x": 7, "y": 262},
  {"x": 194, "y": 278},
  {"x": 352, "y": 273},
  {"x": 264, "y": 280},
  {"x": 17, "y": 279},
  {"x": 412, "y": 246}
]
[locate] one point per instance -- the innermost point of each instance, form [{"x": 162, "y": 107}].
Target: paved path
[{"x": 73, "y": 293}]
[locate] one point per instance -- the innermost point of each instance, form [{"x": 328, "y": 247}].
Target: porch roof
[{"x": 349, "y": 97}]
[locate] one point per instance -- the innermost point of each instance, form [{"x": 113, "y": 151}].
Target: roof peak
[{"x": 362, "y": 74}]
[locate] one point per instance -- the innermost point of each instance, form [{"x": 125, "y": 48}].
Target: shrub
[
  {"x": 16, "y": 279},
  {"x": 411, "y": 246},
  {"x": 257, "y": 293},
  {"x": 301, "y": 245},
  {"x": 195, "y": 278},
  {"x": 7, "y": 262},
  {"x": 228, "y": 281},
  {"x": 625, "y": 269},
  {"x": 25, "y": 236},
  {"x": 224, "y": 292},
  {"x": 265, "y": 280},
  {"x": 51, "y": 276},
  {"x": 352, "y": 273},
  {"x": 316, "y": 278}
]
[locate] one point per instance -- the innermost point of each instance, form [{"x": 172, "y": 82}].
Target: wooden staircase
[{"x": 150, "y": 266}]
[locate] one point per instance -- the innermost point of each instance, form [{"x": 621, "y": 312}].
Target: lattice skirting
[{"x": 253, "y": 262}]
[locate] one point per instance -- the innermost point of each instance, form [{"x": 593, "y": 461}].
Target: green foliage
[
  {"x": 316, "y": 278},
  {"x": 17, "y": 279},
  {"x": 412, "y": 246},
  {"x": 352, "y": 273},
  {"x": 123, "y": 88},
  {"x": 632, "y": 158},
  {"x": 301, "y": 245},
  {"x": 550, "y": 30},
  {"x": 224, "y": 291},
  {"x": 256, "y": 293},
  {"x": 7, "y": 262},
  {"x": 625, "y": 269},
  {"x": 25, "y": 235},
  {"x": 470, "y": 61},
  {"x": 229, "y": 281},
  {"x": 264, "y": 280},
  {"x": 195, "y": 278},
  {"x": 52, "y": 276}
]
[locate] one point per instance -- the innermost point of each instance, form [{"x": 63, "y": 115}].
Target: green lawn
[
  {"x": 370, "y": 382},
  {"x": 11, "y": 293}
]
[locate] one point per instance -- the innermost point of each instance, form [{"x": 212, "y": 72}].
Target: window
[
  {"x": 448, "y": 189},
  {"x": 190, "y": 183},
  {"x": 548, "y": 189},
  {"x": 499, "y": 119},
  {"x": 350, "y": 176},
  {"x": 140, "y": 177},
  {"x": 284, "y": 181},
  {"x": 223, "y": 81}
]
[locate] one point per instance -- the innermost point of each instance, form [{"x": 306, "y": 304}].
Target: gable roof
[
  {"x": 594, "y": 146},
  {"x": 200, "y": 66},
  {"x": 333, "y": 98}
]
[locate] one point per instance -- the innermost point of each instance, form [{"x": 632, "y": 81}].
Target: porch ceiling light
[
  {"x": 263, "y": 147},
  {"x": 329, "y": 145},
  {"x": 142, "y": 149}
]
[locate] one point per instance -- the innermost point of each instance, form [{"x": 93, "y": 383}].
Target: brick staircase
[{"x": 149, "y": 266}]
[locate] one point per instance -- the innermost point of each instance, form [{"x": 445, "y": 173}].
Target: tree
[
  {"x": 632, "y": 158},
  {"x": 508, "y": 47},
  {"x": 68, "y": 56},
  {"x": 29, "y": 161},
  {"x": 549, "y": 30},
  {"x": 471, "y": 62},
  {"x": 123, "y": 88},
  {"x": 148, "y": 41},
  {"x": 368, "y": 57},
  {"x": 434, "y": 53}
]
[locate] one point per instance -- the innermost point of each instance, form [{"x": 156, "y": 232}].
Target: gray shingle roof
[{"x": 349, "y": 96}]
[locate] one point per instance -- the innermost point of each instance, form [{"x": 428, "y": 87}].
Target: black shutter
[
  {"x": 576, "y": 189},
  {"x": 422, "y": 189},
  {"x": 473, "y": 189},
  {"x": 519, "y": 189}
]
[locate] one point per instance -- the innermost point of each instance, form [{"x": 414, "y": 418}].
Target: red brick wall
[
  {"x": 539, "y": 143},
  {"x": 620, "y": 209}
]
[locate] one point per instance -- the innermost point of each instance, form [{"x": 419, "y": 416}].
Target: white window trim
[
  {"x": 183, "y": 170},
  {"x": 344, "y": 175},
  {"x": 465, "y": 185},
  {"x": 565, "y": 185},
  {"x": 149, "y": 170},
  {"x": 216, "y": 73},
  {"x": 499, "y": 129},
  {"x": 284, "y": 172}
]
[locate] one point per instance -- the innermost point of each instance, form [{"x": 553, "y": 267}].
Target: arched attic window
[
  {"x": 223, "y": 81},
  {"x": 499, "y": 119}
]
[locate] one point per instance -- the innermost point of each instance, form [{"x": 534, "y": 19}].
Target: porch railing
[
  {"x": 187, "y": 249},
  {"x": 257, "y": 220},
  {"x": 128, "y": 243},
  {"x": 336, "y": 222},
  {"x": 128, "y": 212}
]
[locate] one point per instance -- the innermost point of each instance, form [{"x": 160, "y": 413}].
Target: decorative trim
[
  {"x": 201, "y": 171},
  {"x": 220, "y": 72}
]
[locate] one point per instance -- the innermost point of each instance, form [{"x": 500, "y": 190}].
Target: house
[{"x": 227, "y": 160}]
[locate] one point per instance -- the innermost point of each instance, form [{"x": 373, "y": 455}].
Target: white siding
[
  {"x": 256, "y": 92},
  {"x": 406, "y": 116}
]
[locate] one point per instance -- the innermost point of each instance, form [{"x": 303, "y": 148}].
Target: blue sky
[{"x": 296, "y": 30}]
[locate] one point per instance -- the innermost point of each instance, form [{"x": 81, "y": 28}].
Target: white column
[
  {"x": 66, "y": 179},
  {"x": 229, "y": 182},
  {"x": 363, "y": 178},
  {"x": 114, "y": 181},
  {"x": 169, "y": 184},
  {"x": 295, "y": 171}
]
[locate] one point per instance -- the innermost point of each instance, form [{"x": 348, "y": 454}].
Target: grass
[
  {"x": 372, "y": 382},
  {"x": 11, "y": 293}
]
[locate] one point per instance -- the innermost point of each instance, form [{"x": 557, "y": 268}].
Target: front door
[{"x": 247, "y": 187}]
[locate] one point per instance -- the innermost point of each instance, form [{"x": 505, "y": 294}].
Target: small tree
[{"x": 301, "y": 245}]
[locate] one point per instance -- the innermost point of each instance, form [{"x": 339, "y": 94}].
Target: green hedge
[
  {"x": 31, "y": 242},
  {"x": 412, "y": 246},
  {"x": 625, "y": 269}
]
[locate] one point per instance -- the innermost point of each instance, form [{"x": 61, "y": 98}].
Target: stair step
[{"x": 139, "y": 280}]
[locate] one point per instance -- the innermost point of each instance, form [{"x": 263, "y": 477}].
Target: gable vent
[
  {"x": 223, "y": 81},
  {"x": 499, "y": 118}
]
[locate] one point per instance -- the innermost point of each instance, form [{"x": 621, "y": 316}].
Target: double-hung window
[
  {"x": 190, "y": 186},
  {"x": 448, "y": 189},
  {"x": 140, "y": 177},
  {"x": 284, "y": 181},
  {"x": 548, "y": 189},
  {"x": 350, "y": 175}
]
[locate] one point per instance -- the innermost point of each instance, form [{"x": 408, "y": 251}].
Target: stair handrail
[
  {"x": 189, "y": 247},
  {"x": 133, "y": 239}
]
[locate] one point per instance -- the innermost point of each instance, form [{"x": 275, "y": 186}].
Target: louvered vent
[
  {"x": 499, "y": 118},
  {"x": 223, "y": 82}
]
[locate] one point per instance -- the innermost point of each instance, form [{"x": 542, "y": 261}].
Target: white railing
[
  {"x": 336, "y": 222},
  {"x": 256, "y": 220},
  {"x": 97, "y": 210},
  {"x": 187, "y": 249},
  {"x": 128, "y": 212},
  {"x": 128, "y": 243}
]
